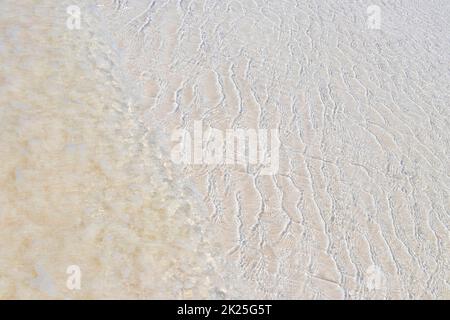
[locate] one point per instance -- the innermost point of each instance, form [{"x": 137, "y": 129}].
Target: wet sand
[{"x": 359, "y": 208}]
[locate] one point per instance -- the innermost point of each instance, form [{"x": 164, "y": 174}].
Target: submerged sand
[{"x": 358, "y": 209}]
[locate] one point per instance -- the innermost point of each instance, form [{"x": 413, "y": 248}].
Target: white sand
[{"x": 359, "y": 208}]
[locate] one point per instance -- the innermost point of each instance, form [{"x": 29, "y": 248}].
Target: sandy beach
[{"x": 341, "y": 190}]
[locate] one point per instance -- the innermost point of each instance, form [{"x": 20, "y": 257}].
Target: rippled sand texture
[
  {"x": 364, "y": 124},
  {"x": 359, "y": 208},
  {"x": 81, "y": 182}
]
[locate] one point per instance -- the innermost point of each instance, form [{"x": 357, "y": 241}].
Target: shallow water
[
  {"x": 82, "y": 182},
  {"x": 359, "y": 207}
]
